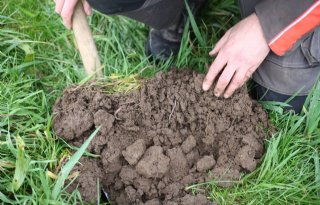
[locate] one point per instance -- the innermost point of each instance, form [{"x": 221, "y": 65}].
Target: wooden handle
[{"x": 86, "y": 45}]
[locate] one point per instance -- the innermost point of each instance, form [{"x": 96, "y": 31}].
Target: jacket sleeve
[{"x": 284, "y": 22}]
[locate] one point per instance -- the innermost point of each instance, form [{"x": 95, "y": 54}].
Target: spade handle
[{"x": 85, "y": 42}]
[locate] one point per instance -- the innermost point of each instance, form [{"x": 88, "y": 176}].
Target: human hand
[
  {"x": 239, "y": 53},
  {"x": 65, "y": 9}
]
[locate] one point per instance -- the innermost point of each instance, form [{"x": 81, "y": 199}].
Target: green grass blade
[
  {"x": 4, "y": 199},
  {"x": 22, "y": 165},
  {"x": 285, "y": 161},
  {"x": 194, "y": 26},
  {"x": 66, "y": 169},
  {"x": 313, "y": 113},
  {"x": 317, "y": 169},
  {"x": 270, "y": 157},
  {"x": 296, "y": 126}
]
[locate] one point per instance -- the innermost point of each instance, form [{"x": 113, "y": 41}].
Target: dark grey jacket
[{"x": 284, "y": 22}]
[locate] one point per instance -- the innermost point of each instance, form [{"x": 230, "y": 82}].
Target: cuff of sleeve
[{"x": 281, "y": 35}]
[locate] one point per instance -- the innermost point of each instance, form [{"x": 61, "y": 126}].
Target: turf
[{"x": 38, "y": 60}]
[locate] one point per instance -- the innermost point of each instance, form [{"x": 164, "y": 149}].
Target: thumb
[{"x": 87, "y": 8}]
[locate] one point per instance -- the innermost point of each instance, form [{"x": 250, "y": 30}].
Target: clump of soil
[{"x": 159, "y": 139}]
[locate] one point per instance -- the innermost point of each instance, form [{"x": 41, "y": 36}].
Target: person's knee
[{"x": 115, "y": 6}]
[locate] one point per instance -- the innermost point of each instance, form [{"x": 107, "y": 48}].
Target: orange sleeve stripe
[{"x": 293, "y": 32}]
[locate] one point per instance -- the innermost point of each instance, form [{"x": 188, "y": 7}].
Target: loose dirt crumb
[
  {"x": 205, "y": 163},
  {"x": 154, "y": 163},
  {"x": 188, "y": 144},
  {"x": 161, "y": 138},
  {"x": 134, "y": 152}
]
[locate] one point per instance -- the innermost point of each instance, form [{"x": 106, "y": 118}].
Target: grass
[{"x": 38, "y": 60}]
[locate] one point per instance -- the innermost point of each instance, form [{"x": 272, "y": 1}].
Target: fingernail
[
  {"x": 216, "y": 93},
  {"x": 205, "y": 87},
  {"x": 226, "y": 96}
]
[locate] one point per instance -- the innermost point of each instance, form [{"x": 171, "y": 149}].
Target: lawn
[{"x": 38, "y": 60}]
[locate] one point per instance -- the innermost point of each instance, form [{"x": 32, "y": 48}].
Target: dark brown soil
[{"x": 158, "y": 140}]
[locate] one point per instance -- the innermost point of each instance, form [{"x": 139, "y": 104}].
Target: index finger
[{"x": 215, "y": 68}]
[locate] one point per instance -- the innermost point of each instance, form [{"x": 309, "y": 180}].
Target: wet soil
[{"x": 156, "y": 141}]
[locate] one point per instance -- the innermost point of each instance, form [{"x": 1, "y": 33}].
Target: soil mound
[{"x": 158, "y": 140}]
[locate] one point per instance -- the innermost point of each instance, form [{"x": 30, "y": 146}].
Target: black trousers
[{"x": 159, "y": 14}]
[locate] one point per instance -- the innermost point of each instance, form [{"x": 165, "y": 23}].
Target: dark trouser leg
[
  {"x": 259, "y": 92},
  {"x": 278, "y": 78},
  {"x": 165, "y": 17},
  {"x": 158, "y": 14}
]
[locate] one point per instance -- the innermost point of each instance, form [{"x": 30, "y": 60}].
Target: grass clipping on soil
[{"x": 159, "y": 139}]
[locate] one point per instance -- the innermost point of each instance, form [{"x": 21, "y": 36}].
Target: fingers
[
  {"x": 239, "y": 79},
  {"x": 87, "y": 8},
  {"x": 66, "y": 8},
  {"x": 224, "y": 79},
  {"x": 218, "y": 63},
  {"x": 230, "y": 79},
  {"x": 59, "y": 6},
  {"x": 67, "y": 12},
  {"x": 215, "y": 68}
]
